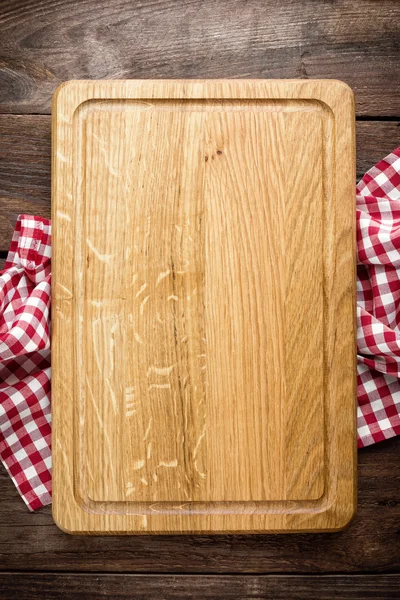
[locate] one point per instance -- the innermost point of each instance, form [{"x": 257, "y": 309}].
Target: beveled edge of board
[{"x": 335, "y": 96}]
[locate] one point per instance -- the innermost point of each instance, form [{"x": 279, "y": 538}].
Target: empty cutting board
[{"x": 203, "y": 347}]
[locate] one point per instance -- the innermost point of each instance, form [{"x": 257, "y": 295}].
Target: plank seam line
[
  {"x": 294, "y": 574},
  {"x": 381, "y": 119}
]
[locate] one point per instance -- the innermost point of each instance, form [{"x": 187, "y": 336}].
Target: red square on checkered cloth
[
  {"x": 25, "y": 413},
  {"x": 378, "y": 301}
]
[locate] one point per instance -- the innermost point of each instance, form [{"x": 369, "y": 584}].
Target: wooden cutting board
[{"x": 203, "y": 352}]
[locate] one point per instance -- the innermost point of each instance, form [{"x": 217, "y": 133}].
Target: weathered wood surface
[
  {"x": 44, "y": 43},
  {"x": 371, "y": 543},
  {"x": 174, "y": 587},
  {"x": 24, "y": 170},
  {"x": 25, "y": 163},
  {"x": 375, "y": 139}
]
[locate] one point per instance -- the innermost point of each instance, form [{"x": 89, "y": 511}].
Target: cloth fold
[
  {"x": 378, "y": 301},
  {"x": 25, "y": 412}
]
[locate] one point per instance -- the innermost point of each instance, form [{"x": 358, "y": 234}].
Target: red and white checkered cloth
[
  {"x": 25, "y": 414},
  {"x": 378, "y": 301}
]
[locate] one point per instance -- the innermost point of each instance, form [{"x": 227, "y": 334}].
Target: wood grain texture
[
  {"x": 344, "y": 39},
  {"x": 47, "y": 42},
  {"x": 371, "y": 543},
  {"x": 146, "y": 587},
  {"x": 237, "y": 200},
  {"x": 25, "y": 163},
  {"x": 24, "y": 170},
  {"x": 375, "y": 139}
]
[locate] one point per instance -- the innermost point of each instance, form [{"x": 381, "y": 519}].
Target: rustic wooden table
[{"x": 43, "y": 43}]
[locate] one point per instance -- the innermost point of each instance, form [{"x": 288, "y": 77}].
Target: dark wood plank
[
  {"x": 144, "y": 587},
  {"x": 25, "y": 163},
  {"x": 31, "y": 541},
  {"x": 47, "y": 42},
  {"x": 375, "y": 139}
]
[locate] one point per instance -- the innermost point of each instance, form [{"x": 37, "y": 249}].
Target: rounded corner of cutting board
[{"x": 61, "y": 520}]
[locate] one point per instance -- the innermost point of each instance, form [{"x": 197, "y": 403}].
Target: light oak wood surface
[{"x": 203, "y": 306}]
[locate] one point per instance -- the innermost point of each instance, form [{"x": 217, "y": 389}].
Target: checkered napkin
[
  {"x": 25, "y": 412},
  {"x": 378, "y": 301}
]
